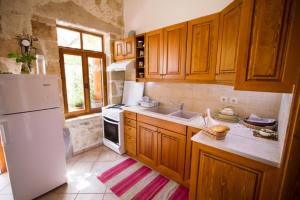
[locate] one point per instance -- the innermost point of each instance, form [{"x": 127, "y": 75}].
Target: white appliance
[
  {"x": 31, "y": 131},
  {"x": 112, "y": 115}
]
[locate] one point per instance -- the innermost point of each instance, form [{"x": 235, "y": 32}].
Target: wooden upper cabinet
[
  {"x": 154, "y": 55},
  {"x": 119, "y": 50},
  {"x": 147, "y": 143},
  {"x": 229, "y": 28},
  {"x": 171, "y": 153},
  {"x": 124, "y": 49},
  {"x": 202, "y": 48},
  {"x": 129, "y": 47},
  {"x": 265, "y": 36},
  {"x": 174, "y": 51}
]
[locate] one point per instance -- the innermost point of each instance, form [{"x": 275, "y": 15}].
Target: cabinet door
[
  {"x": 174, "y": 51},
  {"x": 129, "y": 47},
  {"x": 154, "y": 55},
  {"x": 228, "y": 41},
  {"x": 171, "y": 153},
  {"x": 118, "y": 50},
  {"x": 265, "y": 35},
  {"x": 220, "y": 179},
  {"x": 147, "y": 143},
  {"x": 202, "y": 48},
  {"x": 130, "y": 140},
  {"x": 189, "y": 145}
]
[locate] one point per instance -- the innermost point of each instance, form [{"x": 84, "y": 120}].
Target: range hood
[{"x": 120, "y": 66}]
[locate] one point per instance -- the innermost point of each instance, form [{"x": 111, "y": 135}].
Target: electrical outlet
[
  {"x": 233, "y": 100},
  {"x": 224, "y": 99}
]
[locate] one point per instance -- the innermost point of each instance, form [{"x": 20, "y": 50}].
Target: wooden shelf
[
  {"x": 140, "y": 57},
  {"x": 140, "y": 67},
  {"x": 141, "y": 79},
  {"x": 140, "y": 47}
]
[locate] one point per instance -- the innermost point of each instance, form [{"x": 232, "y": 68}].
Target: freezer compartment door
[
  {"x": 23, "y": 93},
  {"x": 34, "y": 151}
]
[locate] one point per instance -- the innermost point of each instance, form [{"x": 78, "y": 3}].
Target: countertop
[{"x": 239, "y": 140}]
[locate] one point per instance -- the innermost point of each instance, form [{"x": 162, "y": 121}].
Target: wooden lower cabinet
[
  {"x": 219, "y": 175},
  {"x": 171, "y": 153},
  {"x": 147, "y": 143},
  {"x": 188, "y": 154},
  {"x": 130, "y": 140}
]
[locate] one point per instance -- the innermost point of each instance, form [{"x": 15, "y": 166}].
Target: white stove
[
  {"x": 113, "y": 120},
  {"x": 113, "y": 127}
]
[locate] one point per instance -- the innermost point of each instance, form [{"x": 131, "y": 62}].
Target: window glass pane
[
  {"x": 91, "y": 42},
  {"x": 74, "y": 82},
  {"x": 68, "y": 38},
  {"x": 95, "y": 80}
]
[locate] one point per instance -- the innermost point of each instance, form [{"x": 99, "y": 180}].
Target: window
[{"x": 83, "y": 71}]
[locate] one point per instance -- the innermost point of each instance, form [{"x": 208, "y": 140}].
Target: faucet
[{"x": 181, "y": 106}]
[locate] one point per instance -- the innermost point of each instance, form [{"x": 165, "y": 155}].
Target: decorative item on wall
[{"x": 28, "y": 52}]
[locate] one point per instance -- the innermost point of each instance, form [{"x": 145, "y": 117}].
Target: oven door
[{"x": 111, "y": 130}]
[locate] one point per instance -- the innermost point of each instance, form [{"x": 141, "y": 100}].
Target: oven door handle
[{"x": 106, "y": 120}]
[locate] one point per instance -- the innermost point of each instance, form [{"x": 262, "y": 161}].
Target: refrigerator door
[
  {"x": 34, "y": 151},
  {"x": 23, "y": 93}
]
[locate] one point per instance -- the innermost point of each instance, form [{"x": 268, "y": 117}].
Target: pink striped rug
[{"x": 132, "y": 180}]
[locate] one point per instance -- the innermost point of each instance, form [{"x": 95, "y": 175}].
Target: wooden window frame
[{"x": 85, "y": 54}]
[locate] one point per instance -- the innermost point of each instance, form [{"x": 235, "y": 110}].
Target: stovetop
[
  {"x": 116, "y": 106},
  {"x": 114, "y": 111}
]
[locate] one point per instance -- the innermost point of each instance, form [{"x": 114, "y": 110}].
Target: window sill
[{"x": 83, "y": 117}]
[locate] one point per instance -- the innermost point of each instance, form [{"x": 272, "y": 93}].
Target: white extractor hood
[{"x": 120, "y": 66}]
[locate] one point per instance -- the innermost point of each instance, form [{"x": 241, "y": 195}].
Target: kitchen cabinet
[
  {"x": 165, "y": 53},
  {"x": 229, "y": 39},
  {"x": 124, "y": 49},
  {"x": 154, "y": 55},
  {"x": 130, "y": 133},
  {"x": 219, "y": 179},
  {"x": 162, "y": 145},
  {"x": 189, "y": 145},
  {"x": 171, "y": 153},
  {"x": 264, "y": 46},
  {"x": 174, "y": 51},
  {"x": 118, "y": 50},
  {"x": 202, "y": 44},
  {"x": 217, "y": 174},
  {"x": 147, "y": 143}
]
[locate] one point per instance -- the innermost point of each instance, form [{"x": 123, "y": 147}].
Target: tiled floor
[{"x": 82, "y": 181}]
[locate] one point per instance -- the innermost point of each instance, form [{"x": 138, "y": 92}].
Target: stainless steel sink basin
[
  {"x": 185, "y": 115},
  {"x": 164, "y": 111}
]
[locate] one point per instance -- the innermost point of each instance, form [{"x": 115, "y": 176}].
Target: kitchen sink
[
  {"x": 164, "y": 111},
  {"x": 185, "y": 115}
]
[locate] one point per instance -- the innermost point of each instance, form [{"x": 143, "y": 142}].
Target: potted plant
[
  {"x": 27, "y": 56},
  {"x": 25, "y": 59}
]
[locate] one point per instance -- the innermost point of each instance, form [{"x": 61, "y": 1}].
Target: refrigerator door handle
[{"x": 3, "y": 128}]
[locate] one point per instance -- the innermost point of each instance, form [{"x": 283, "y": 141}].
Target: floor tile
[
  {"x": 6, "y": 197},
  {"x": 4, "y": 180},
  {"x": 89, "y": 197},
  {"x": 69, "y": 188},
  {"x": 6, "y": 190},
  {"x": 110, "y": 197},
  {"x": 92, "y": 185},
  {"x": 58, "y": 197}
]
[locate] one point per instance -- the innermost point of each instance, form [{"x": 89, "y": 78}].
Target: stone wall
[
  {"x": 39, "y": 18},
  {"x": 86, "y": 132}
]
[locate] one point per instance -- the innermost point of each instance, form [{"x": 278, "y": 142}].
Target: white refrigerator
[{"x": 31, "y": 125}]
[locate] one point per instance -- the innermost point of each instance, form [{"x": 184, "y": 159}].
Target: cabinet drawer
[
  {"x": 130, "y": 132},
  {"x": 130, "y": 122},
  {"x": 130, "y": 145},
  {"x": 130, "y": 115}
]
